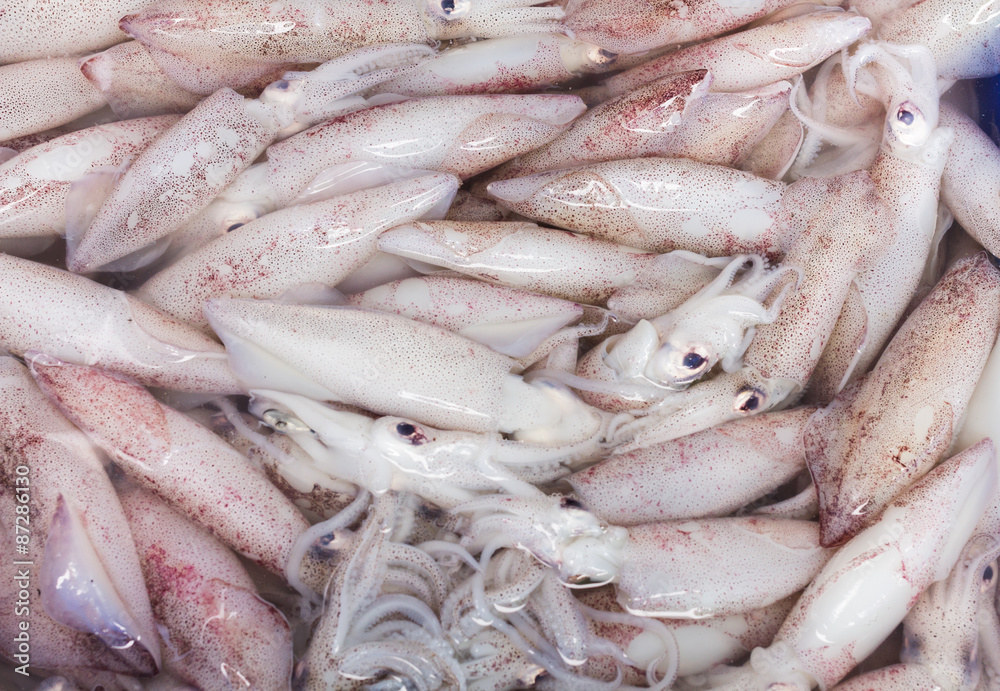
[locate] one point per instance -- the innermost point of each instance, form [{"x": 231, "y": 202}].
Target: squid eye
[
  {"x": 233, "y": 227},
  {"x": 570, "y": 503},
  {"x": 905, "y": 116},
  {"x": 693, "y": 361},
  {"x": 411, "y": 433},
  {"x": 989, "y": 576},
  {"x": 749, "y": 400},
  {"x": 450, "y": 10}
]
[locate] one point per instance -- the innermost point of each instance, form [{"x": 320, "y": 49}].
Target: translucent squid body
[
  {"x": 396, "y": 366},
  {"x": 93, "y": 612},
  {"x": 889, "y": 428},
  {"x": 205, "y": 47},
  {"x": 757, "y": 56},
  {"x": 871, "y": 582},
  {"x": 323, "y": 242},
  {"x": 208, "y": 148},
  {"x": 659, "y": 569},
  {"x": 167, "y": 452},
  {"x": 78, "y": 320},
  {"x": 218, "y": 628}
]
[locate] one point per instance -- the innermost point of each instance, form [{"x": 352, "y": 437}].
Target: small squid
[
  {"x": 42, "y": 94},
  {"x": 93, "y": 611},
  {"x": 218, "y": 629},
  {"x": 887, "y": 429},
  {"x": 392, "y": 365},
  {"x": 75, "y": 319},
  {"x": 755, "y": 57},
  {"x": 323, "y": 242},
  {"x": 201, "y": 48},
  {"x": 184, "y": 463},
  {"x": 871, "y": 582}
]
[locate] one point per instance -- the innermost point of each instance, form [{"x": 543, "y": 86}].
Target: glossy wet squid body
[
  {"x": 196, "y": 45},
  {"x": 186, "y": 464},
  {"x": 659, "y": 569},
  {"x": 219, "y": 630},
  {"x": 176, "y": 177},
  {"x": 871, "y": 582},
  {"x": 887, "y": 429},
  {"x": 755, "y": 57},
  {"x": 42, "y": 94},
  {"x": 462, "y": 384},
  {"x": 656, "y": 204},
  {"x": 78, "y": 320},
  {"x": 37, "y": 183},
  {"x": 323, "y": 242},
  {"x": 78, "y": 533},
  {"x": 741, "y": 461}
]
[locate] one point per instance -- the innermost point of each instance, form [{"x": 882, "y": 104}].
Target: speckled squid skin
[
  {"x": 901, "y": 677},
  {"x": 381, "y": 362},
  {"x": 133, "y": 83},
  {"x": 868, "y": 586},
  {"x": 323, "y": 242},
  {"x": 641, "y": 123},
  {"x": 64, "y": 27},
  {"x": 908, "y": 181},
  {"x": 701, "y": 643},
  {"x": 655, "y": 204},
  {"x": 34, "y": 185},
  {"x": 635, "y": 27},
  {"x": 710, "y": 473},
  {"x": 775, "y": 153},
  {"x": 78, "y": 320},
  {"x": 511, "y": 65},
  {"x": 42, "y": 94},
  {"x": 482, "y": 132},
  {"x": 219, "y": 629},
  {"x": 523, "y": 255},
  {"x": 970, "y": 185},
  {"x": 174, "y": 179},
  {"x": 887, "y": 429},
  {"x": 755, "y": 57},
  {"x": 207, "y": 45},
  {"x": 839, "y": 225},
  {"x": 167, "y": 452},
  {"x": 961, "y": 34},
  {"x": 59, "y": 459},
  {"x": 672, "y": 568}
]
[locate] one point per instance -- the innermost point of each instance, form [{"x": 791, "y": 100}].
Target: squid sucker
[{"x": 486, "y": 345}]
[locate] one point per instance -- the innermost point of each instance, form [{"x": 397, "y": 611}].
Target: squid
[
  {"x": 523, "y": 325},
  {"x": 75, "y": 319},
  {"x": 656, "y": 204},
  {"x": 871, "y": 582},
  {"x": 218, "y": 630},
  {"x": 323, "y": 242},
  {"x": 193, "y": 161},
  {"x": 636, "y": 27},
  {"x": 93, "y": 611},
  {"x": 42, "y": 94},
  {"x": 36, "y": 185},
  {"x": 708, "y": 474},
  {"x": 755, "y": 57},
  {"x": 513, "y": 64},
  {"x": 889, "y": 428},
  {"x": 968, "y": 185},
  {"x": 202, "y": 49},
  {"x": 664, "y": 569},
  {"x": 170, "y": 454},
  {"x": 133, "y": 84},
  {"x": 962, "y": 36}
]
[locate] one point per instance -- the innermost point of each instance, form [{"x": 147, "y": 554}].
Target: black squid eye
[
  {"x": 693, "y": 361},
  {"x": 233, "y": 227},
  {"x": 749, "y": 400},
  {"x": 905, "y": 117},
  {"x": 988, "y": 574},
  {"x": 570, "y": 503},
  {"x": 411, "y": 433},
  {"x": 448, "y": 6}
]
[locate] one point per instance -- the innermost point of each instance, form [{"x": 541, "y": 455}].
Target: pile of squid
[{"x": 499, "y": 344}]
